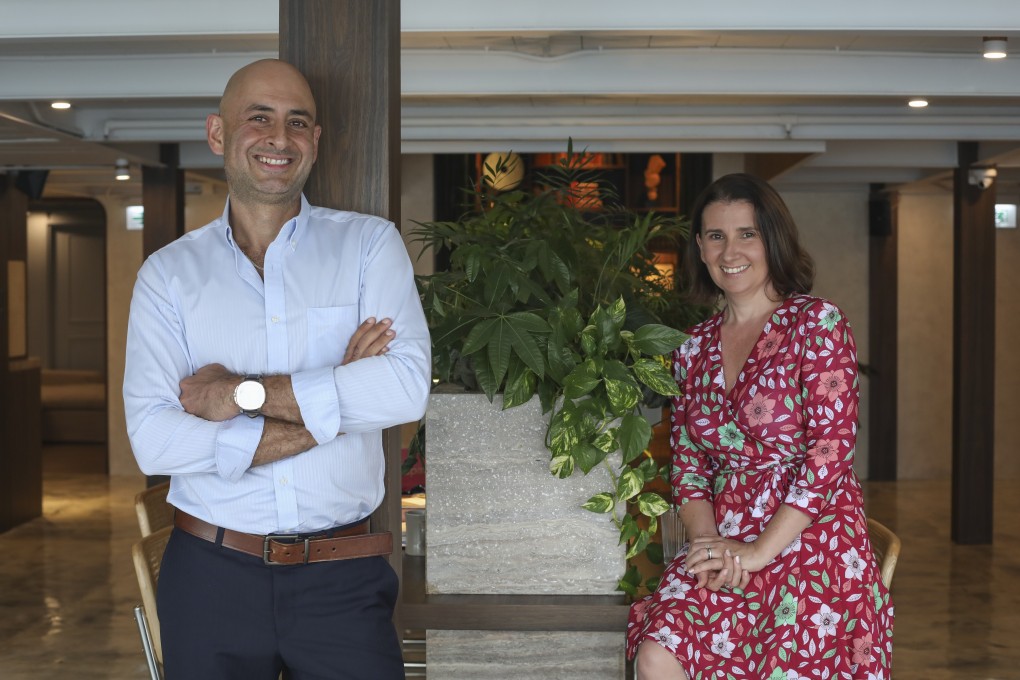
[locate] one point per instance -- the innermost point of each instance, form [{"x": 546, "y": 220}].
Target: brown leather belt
[{"x": 347, "y": 544}]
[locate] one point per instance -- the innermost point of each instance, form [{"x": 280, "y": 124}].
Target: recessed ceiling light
[
  {"x": 60, "y": 105},
  {"x": 917, "y": 103},
  {"x": 995, "y": 47},
  {"x": 122, "y": 170}
]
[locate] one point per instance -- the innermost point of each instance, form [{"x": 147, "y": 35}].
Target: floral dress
[{"x": 784, "y": 434}]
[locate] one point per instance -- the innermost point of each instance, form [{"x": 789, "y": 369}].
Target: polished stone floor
[{"x": 67, "y": 587}]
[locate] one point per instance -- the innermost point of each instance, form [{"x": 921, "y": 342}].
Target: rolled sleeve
[
  {"x": 236, "y": 441},
  {"x": 316, "y": 395}
]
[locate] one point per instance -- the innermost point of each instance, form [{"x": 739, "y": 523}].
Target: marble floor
[{"x": 67, "y": 587}]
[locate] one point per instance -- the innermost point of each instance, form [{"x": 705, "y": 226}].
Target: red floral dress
[{"x": 784, "y": 434}]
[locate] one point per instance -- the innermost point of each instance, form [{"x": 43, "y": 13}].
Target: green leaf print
[
  {"x": 825, "y": 579},
  {"x": 731, "y": 437},
  {"x": 788, "y": 402},
  {"x": 786, "y": 612},
  {"x": 778, "y": 673}
]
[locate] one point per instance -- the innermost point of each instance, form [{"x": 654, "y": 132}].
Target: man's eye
[{"x": 299, "y": 123}]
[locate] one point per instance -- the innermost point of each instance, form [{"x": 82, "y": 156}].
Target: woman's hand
[
  {"x": 371, "y": 339},
  {"x": 718, "y": 562}
]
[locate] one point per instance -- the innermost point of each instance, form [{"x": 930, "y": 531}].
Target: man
[{"x": 238, "y": 386}]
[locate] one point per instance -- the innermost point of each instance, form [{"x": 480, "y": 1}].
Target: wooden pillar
[
  {"x": 973, "y": 353},
  {"x": 163, "y": 200},
  {"x": 883, "y": 322},
  {"x": 349, "y": 50},
  {"x": 20, "y": 412}
]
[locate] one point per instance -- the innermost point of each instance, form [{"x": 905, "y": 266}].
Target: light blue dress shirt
[{"x": 200, "y": 301}]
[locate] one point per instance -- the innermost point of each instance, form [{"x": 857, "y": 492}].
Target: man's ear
[
  {"x": 315, "y": 147},
  {"x": 214, "y": 133}
]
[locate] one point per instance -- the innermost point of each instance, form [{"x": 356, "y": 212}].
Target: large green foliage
[{"x": 543, "y": 297}]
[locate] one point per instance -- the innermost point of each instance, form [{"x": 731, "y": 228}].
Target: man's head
[{"x": 266, "y": 133}]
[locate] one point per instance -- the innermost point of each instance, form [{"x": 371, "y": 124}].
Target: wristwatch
[{"x": 250, "y": 395}]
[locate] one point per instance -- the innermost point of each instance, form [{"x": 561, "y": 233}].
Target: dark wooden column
[
  {"x": 163, "y": 202},
  {"x": 883, "y": 321},
  {"x": 20, "y": 412},
  {"x": 973, "y": 353},
  {"x": 349, "y": 50},
  {"x": 163, "y": 199}
]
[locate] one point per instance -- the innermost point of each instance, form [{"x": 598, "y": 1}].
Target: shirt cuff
[
  {"x": 236, "y": 441},
  {"x": 315, "y": 393}
]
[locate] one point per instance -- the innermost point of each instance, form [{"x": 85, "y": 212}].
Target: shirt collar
[{"x": 291, "y": 231}]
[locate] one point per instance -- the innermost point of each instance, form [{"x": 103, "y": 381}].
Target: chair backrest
[
  {"x": 886, "y": 546},
  {"x": 154, "y": 512},
  {"x": 147, "y": 555}
]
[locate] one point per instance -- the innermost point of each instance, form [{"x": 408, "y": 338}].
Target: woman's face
[{"x": 732, "y": 249}]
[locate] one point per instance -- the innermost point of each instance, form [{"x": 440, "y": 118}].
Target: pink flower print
[
  {"x": 825, "y": 451},
  {"x": 759, "y": 411},
  {"x": 832, "y": 384},
  {"x": 768, "y": 346},
  {"x": 862, "y": 650}
]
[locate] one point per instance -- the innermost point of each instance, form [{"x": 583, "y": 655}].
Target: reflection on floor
[{"x": 67, "y": 586}]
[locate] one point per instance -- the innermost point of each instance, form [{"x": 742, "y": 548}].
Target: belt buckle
[{"x": 266, "y": 549}]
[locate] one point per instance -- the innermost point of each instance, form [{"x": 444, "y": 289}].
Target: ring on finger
[{"x": 709, "y": 549}]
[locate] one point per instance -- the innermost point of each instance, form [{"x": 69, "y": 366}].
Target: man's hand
[
  {"x": 209, "y": 394},
  {"x": 371, "y": 339}
]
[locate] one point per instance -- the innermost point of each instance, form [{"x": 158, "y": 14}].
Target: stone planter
[{"x": 500, "y": 523}]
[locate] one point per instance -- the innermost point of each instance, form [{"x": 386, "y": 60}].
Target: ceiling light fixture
[
  {"x": 917, "y": 103},
  {"x": 123, "y": 170},
  {"x": 995, "y": 47},
  {"x": 60, "y": 106}
]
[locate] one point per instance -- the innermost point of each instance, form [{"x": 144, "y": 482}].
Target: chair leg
[{"x": 150, "y": 652}]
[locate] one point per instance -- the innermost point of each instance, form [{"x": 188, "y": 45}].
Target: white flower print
[
  {"x": 731, "y": 524},
  {"x": 854, "y": 564},
  {"x": 721, "y": 644},
  {"x": 675, "y": 589},
  {"x": 666, "y": 638},
  {"x": 760, "y": 505},
  {"x": 828, "y": 316},
  {"x": 794, "y": 675},
  {"x": 691, "y": 347},
  {"x": 793, "y": 547},
  {"x": 876, "y": 676},
  {"x": 798, "y": 496},
  {"x": 826, "y": 620}
]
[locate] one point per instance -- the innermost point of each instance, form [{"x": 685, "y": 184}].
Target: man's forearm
[
  {"x": 281, "y": 440},
  {"x": 281, "y": 404}
]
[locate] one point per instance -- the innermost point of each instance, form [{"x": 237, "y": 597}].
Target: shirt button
[
  {"x": 283, "y": 481},
  {"x": 276, "y": 319}
]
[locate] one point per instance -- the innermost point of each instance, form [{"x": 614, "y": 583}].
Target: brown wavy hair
[{"x": 791, "y": 268}]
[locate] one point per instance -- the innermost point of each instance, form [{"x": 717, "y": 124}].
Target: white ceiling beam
[
  {"x": 107, "y": 18},
  {"x": 725, "y": 72}
]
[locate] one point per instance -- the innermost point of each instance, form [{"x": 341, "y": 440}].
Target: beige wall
[
  {"x": 925, "y": 351},
  {"x": 417, "y": 204},
  {"x": 834, "y": 229},
  {"x": 123, "y": 258}
]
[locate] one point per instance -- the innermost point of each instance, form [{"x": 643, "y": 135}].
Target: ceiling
[{"x": 812, "y": 96}]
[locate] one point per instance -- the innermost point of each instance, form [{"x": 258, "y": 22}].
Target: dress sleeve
[
  {"x": 830, "y": 395},
  {"x": 691, "y": 474}
]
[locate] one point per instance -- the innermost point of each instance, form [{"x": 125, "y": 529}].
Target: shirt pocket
[{"x": 329, "y": 331}]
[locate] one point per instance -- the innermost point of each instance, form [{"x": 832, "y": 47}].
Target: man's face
[{"x": 266, "y": 134}]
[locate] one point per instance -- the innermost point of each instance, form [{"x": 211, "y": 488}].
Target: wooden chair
[
  {"x": 154, "y": 513},
  {"x": 147, "y": 555},
  {"x": 886, "y": 546}
]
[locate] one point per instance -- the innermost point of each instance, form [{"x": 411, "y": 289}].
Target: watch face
[{"x": 250, "y": 395}]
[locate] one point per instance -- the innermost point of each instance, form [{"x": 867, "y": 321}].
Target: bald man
[{"x": 262, "y": 367}]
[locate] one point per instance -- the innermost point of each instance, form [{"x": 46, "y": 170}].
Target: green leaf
[
  {"x": 600, "y": 502},
  {"x": 582, "y": 380},
  {"x": 483, "y": 374},
  {"x": 621, "y": 387},
  {"x": 479, "y": 336},
  {"x": 633, "y": 434},
  {"x": 520, "y": 385},
  {"x": 652, "y": 504},
  {"x": 656, "y": 339},
  {"x": 606, "y": 442},
  {"x": 628, "y": 528},
  {"x": 563, "y": 432},
  {"x": 589, "y": 345},
  {"x": 562, "y": 466},
  {"x": 587, "y": 456},
  {"x": 640, "y": 543},
  {"x": 655, "y": 376},
  {"x": 654, "y": 553},
  {"x": 499, "y": 348},
  {"x": 629, "y": 484},
  {"x": 524, "y": 345}
]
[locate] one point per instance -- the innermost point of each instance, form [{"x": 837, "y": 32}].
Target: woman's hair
[{"x": 791, "y": 269}]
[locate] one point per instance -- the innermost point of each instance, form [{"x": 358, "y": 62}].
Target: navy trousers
[{"x": 224, "y": 615}]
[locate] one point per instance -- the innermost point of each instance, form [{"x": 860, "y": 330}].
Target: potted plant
[{"x": 545, "y": 296}]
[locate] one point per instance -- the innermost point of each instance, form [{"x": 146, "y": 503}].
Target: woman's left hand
[{"x": 710, "y": 554}]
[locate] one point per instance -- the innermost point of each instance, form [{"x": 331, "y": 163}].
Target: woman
[{"x": 778, "y": 580}]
